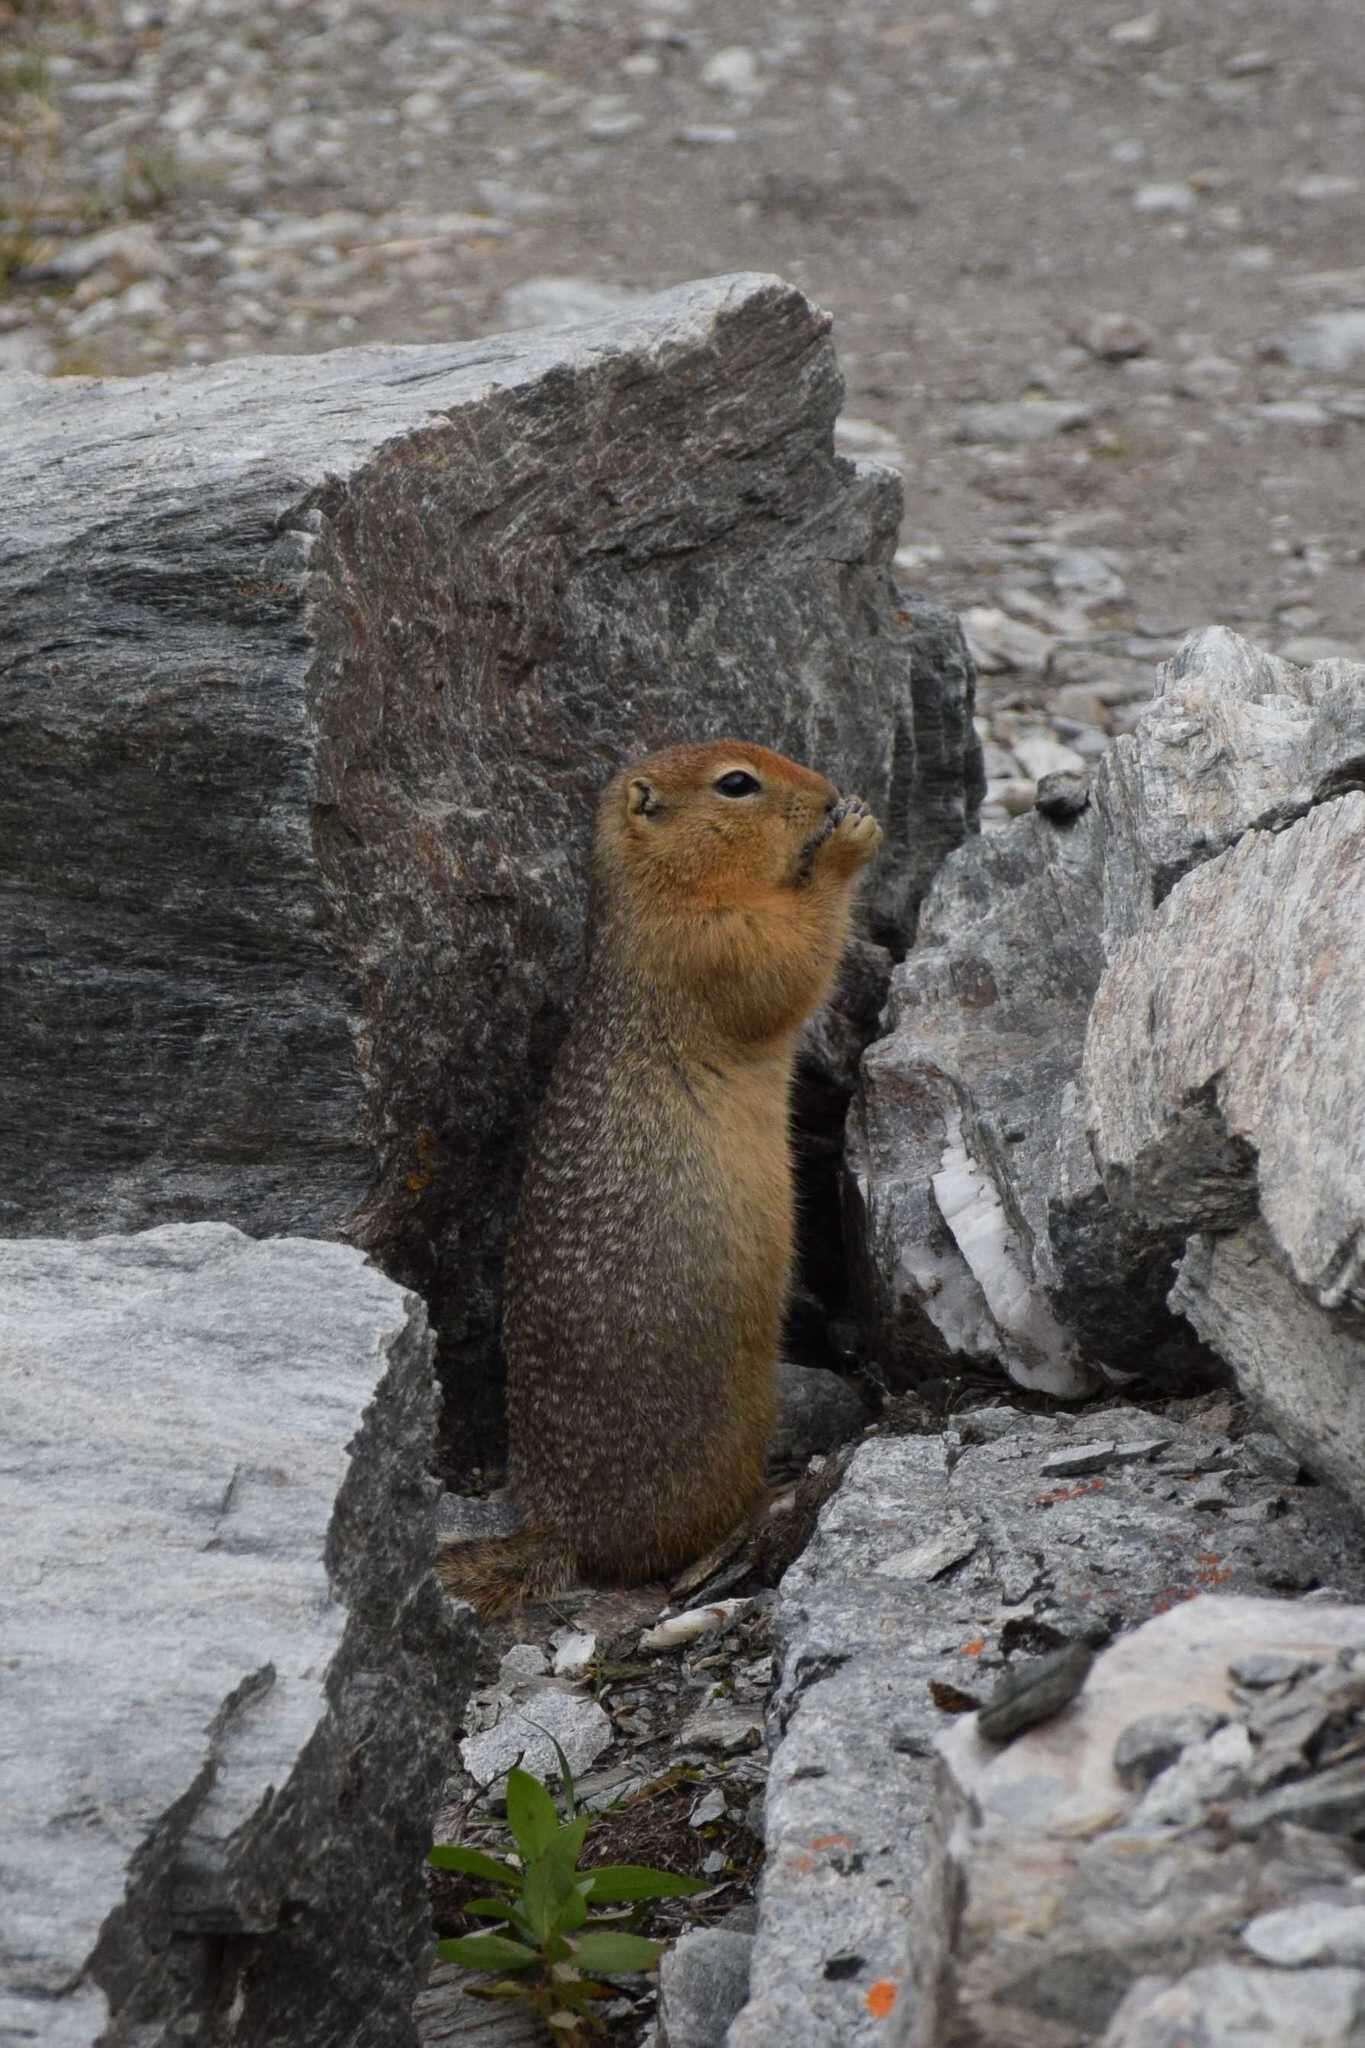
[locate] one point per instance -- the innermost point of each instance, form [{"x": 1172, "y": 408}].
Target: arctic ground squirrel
[{"x": 651, "y": 1256}]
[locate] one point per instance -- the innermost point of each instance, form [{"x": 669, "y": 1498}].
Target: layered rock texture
[
  {"x": 231, "y": 1681},
  {"x": 314, "y": 668},
  {"x": 942, "y": 1562},
  {"x": 1171, "y": 1859},
  {"x": 1121, "y": 1106}
]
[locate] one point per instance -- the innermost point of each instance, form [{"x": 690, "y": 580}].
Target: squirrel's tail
[{"x": 498, "y": 1574}]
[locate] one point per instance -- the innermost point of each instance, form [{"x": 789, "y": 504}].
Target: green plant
[{"x": 554, "y": 1943}]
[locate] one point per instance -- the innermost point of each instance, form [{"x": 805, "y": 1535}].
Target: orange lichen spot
[
  {"x": 1061, "y": 1493},
  {"x": 831, "y": 1842},
  {"x": 974, "y": 1647},
  {"x": 879, "y": 1998}
]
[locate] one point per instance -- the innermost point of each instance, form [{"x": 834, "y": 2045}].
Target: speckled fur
[{"x": 649, "y": 1266}]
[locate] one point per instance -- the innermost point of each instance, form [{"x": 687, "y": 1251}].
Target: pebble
[
  {"x": 1062, "y": 796},
  {"x": 1330, "y": 342},
  {"x": 733, "y": 70},
  {"x": 1139, "y": 31},
  {"x": 523, "y": 1660},
  {"x": 731, "y": 1730},
  {"x": 1114, "y": 337},
  {"x": 1022, "y": 420},
  {"x": 1324, "y": 185},
  {"x": 1040, "y": 755},
  {"x": 710, "y": 1807},
  {"x": 1034, "y": 1691},
  {"x": 1176, "y": 197},
  {"x": 574, "y": 1650},
  {"x": 998, "y": 642},
  {"x": 706, "y": 135}
]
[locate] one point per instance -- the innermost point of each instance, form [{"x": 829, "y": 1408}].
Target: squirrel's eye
[{"x": 737, "y": 783}]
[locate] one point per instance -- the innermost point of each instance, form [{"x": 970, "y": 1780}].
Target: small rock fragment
[
  {"x": 1078, "y": 1460},
  {"x": 1260, "y": 1668},
  {"x": 523, "y": 1736},
  {"x": 1116, "y": 337},
  {"x": 1205, "y": 1773},
  {"x": 733, "y": 70},
  {"x": 730, "y": 1730},
  {"x": 1150, "y": 1746},
  {"x": 1063, "y": 794},
  {"x": 1034, "y": 1691},
  {"x": 1138, "y": 31},
  {"x": 694, "y": 1622},
  {"x": 703, "y": 1983},
  {"x": 523, "y": 1660},
  {"x": 1315, "y": 1932},
  {"x": 951, "y": 1544},
  {"x": 1175, "y": 197},
  {"x": 1270, "y": 1456},
  {"x": 711, "y": 1806},
  {"x": 1331, "y": 342},
  {"x": 998, "y": 642},
  {"x": 1138, "y": 1448},
  {"x": 1022, "y": 420},
  {"x": 574, "y": 1651}
]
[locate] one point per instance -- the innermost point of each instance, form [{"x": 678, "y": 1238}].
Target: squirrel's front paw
[{"x": 854, "y": 830}]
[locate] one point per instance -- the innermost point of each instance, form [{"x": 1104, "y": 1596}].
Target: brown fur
[{"x": 649, "y": 1266}]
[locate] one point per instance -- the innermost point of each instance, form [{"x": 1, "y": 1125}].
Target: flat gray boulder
[
  {"x": 315, "y": 666},
  {"x": 231, "y": 1681}
]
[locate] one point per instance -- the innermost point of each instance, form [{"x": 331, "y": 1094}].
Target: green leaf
[
  {"x": 530, "y": 1813},
  {"x": 542, "y": 1896},
  {"x": 486, "y": 1952},
  {"x": 612, "y": 1952},
  {"x": 574, "y": 1910},
  {"x": 487, "y": 1909},
  {"x": 612, "y": 1881},
  {"x": 565, "y": 1774},
  {"x": 473, "y": 1863}
]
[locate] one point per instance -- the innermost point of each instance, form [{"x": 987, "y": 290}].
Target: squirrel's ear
[{"x": 640, "y": 798}]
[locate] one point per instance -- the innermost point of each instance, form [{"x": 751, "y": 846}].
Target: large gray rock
[
  {"x": 231, "y": 1681},
  {"x": 1302, "y": 1366},
  {"x": 314, "y": 669},
  {"x": 1225, "y": 1076},
  {"x": 1235, "y": 739},
  {"x": 1038, "y": 1137},
  {"x": 1067, "y": 1904},
  {"x": 1225, "y": 1055},
  {"x": 940, "y": 1559},
  {"x": 954, "y": 1137}
]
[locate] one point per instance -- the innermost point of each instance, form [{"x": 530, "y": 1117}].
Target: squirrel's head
[{"x": 716, "y": 825}]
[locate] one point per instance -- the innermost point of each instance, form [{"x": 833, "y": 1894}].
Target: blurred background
[{"x": 1098, "y": 276}]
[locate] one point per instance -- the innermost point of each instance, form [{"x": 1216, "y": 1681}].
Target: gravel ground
[{"x": 1098, "y": 277}]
